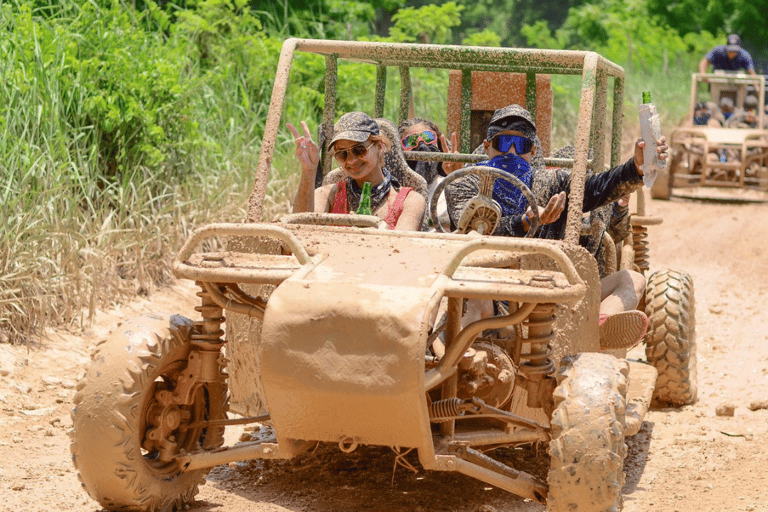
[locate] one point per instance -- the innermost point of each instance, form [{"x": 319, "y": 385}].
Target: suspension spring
[
  {"x": 444, "y": 410},
  {"x": 540, "y": 335},
  {"x": 208, "y": 332},
  {"x": 640, "y": 245}
]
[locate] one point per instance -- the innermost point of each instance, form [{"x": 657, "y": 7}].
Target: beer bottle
[{"x": 365, "y": 200}]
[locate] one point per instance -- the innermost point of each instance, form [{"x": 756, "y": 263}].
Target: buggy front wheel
[
  {"x": 128, "y": 427},
  {"x": 587, "y": 450}
]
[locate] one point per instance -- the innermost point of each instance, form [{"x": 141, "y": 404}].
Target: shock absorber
[
  {"x": 538, "y": 363},
  {"x": 207, "y": 335},
  {"x": 640, "y": 245},
  {"x": 444, "y": 410}
]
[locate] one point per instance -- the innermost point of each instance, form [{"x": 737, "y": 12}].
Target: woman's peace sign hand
[{"x": 307, "y": 151}]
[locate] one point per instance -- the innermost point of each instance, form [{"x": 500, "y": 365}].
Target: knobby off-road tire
[
  {"x": 143, "y": 356},
  {"x": 587, "y": 450},
  {"x": 671, "y": 338}
]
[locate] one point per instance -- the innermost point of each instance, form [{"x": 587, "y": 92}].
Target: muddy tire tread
[
  {"x": 671, "y": 339},
  {"x": 587, "y": 450},
  {"x": 108, "y": 458}
]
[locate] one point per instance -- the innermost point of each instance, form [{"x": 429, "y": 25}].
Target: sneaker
[{"x": 622, "y": 330}]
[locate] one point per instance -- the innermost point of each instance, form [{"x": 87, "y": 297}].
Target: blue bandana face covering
[
  {"x": 701, "y": 120},
  {"x": 509, "y": 197}
]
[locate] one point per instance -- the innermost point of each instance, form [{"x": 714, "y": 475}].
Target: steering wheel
[
  {"x": 481, "y": 212},
  {"x": 737, "y": 119}
]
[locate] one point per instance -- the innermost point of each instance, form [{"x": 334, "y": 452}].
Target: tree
[
  {"x": 484, "y": 38},
  {"x": 748, "y": 18},
  {"x": 427, "y": 24},
  {"x": 331, "y": 19}
]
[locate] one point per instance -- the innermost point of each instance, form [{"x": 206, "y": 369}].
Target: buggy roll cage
[
  {"x": 741, "y": 81},
  {"x": 593, "y": 68}
]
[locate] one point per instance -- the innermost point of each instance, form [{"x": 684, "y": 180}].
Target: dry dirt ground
[{"x": 685, "y": 460}]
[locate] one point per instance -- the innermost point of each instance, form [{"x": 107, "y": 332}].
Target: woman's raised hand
[
  {"x": 453, "y": 147},
  {"x": 307, "y": 151}
]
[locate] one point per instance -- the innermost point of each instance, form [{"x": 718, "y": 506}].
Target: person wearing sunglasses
[
  {"x": 511, "y": 145},
  {"x": 358, "y": 147},
  {"x": 419, "y": 134}
]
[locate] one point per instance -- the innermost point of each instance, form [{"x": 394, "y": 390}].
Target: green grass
[{"x": 89, "y": 217}]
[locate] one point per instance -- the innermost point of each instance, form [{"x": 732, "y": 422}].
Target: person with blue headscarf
[{"x": 510, "y": 145}]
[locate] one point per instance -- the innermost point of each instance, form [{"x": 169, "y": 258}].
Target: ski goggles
[
  {"x": 504, "y": 142},
  {"x": 411, "y": 141},
  {"x": 357, "y": 151}
]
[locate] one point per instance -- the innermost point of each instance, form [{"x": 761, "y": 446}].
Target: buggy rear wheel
[
  {"x": 127, "y": 425},
  {"x": 671, "y": 338}
]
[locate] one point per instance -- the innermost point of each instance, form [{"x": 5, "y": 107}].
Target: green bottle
[{"x": 365, "y": 200}]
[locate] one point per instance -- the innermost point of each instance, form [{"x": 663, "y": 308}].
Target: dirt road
[{"x": 685, "y": 460}]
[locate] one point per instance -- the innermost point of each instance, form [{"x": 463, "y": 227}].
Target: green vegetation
[{"x": 124, "y": 126}]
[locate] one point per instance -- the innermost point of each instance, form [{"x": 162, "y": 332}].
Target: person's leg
[
  {"x": 621, "y": 291},
  {"x": 621, "y": 324}
]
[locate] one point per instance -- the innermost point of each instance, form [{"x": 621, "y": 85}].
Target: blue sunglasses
[{"x": 504, "y": 141}]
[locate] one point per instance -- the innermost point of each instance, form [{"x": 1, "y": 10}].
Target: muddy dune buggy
[
  {"x": 333, "y": 333},
  {"x": 714, "y": 157}
]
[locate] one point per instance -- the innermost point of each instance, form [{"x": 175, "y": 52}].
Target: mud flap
[{"x": 343, "y": 361}]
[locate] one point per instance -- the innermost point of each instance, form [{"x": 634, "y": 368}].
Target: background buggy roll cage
[
  {"x": 593, "y": 68},
  {"x": 741, "y": 81}
]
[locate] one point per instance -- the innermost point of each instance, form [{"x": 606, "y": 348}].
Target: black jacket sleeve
[
  {"x": 608, "y": 186},
  {"x": 599, "y": 189}
]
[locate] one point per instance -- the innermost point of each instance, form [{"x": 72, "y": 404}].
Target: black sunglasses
[
  {"x": 503, "y": 142},
  {"x": 358, "y": 151}
]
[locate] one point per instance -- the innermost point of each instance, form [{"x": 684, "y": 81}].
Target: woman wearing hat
[{"x": 359, "y": 149}]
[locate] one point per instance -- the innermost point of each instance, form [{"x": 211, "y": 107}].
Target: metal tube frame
[{"x": 595, "y": 71}]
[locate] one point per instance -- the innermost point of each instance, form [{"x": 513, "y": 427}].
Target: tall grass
[{"x": 78, "y": 232}]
